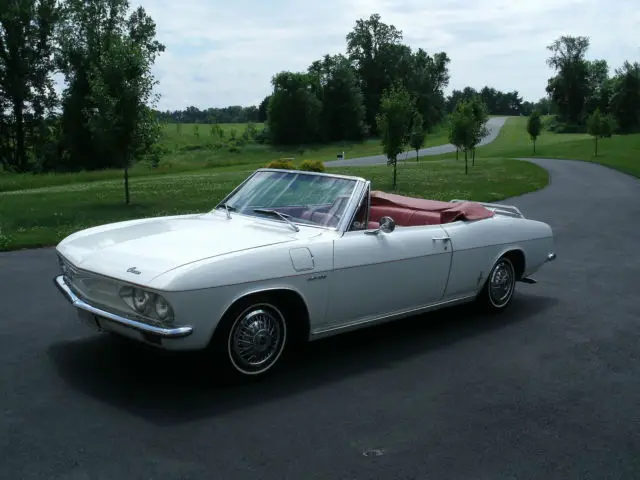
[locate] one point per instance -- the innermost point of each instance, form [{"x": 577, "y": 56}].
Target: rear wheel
[
  {"x": 498, "y": 290},
  {"x": 250, "y": 339}
]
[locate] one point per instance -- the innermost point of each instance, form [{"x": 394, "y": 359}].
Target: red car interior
[
  {"x": 409, "y": 211},
  {"x": 405, "y": 211}
]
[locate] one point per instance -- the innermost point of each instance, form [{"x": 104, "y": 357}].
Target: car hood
[{"x": 151, "y": 247}]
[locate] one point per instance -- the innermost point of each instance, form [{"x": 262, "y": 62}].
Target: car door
[{"x": 385, "y": 273}]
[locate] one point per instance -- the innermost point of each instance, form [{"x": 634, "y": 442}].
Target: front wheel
[
  {"x": 498, "y": 290},
  {"x": 250, "y": 339}
]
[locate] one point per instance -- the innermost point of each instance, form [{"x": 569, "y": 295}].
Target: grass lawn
[
  {"x": 184, "y": 151},
  {"x": 40, "y": 217},
  {"x": 621, "y": 152}
]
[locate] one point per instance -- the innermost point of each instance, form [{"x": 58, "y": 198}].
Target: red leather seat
[{"x": 404, "y": 217}]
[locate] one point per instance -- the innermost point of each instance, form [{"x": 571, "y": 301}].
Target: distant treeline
[{"x": 498, "y": 103}]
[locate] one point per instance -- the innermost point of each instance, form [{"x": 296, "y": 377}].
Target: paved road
[
  {"x": 494, "y": 124},
  {"x": 547, "y": 390}
]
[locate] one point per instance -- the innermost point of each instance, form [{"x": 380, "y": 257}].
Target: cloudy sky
[{"x": 223, "y": 53}]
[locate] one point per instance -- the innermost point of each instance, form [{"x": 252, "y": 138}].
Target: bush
[
  {"x": 312, "y": 166},
  {"x": 262, "y": 137},
  {"x": 282, "y": 164}
]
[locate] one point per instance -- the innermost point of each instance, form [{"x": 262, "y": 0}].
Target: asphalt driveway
[{"x": 550, "y": 389}]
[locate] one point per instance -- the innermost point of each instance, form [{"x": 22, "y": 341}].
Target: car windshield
[{"x": 299, "y": 197}]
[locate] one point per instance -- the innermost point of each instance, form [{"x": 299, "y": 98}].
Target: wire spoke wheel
[
  {"x": 501, "y": 283},
  {"x": 257, "y": 339}
]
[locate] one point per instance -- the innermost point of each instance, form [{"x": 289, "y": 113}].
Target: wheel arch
[
  {"x": 518, "y": 258},
  {"x": 286, "y": 299}
]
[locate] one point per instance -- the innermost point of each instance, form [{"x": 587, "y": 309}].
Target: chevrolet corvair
[{"x": 292, "y": 256}]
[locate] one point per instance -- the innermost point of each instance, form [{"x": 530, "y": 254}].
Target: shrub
[
  {"x": 283, "y": 164},
  {"x": 262, "y": 137},
  {"x": 312, "y": 166}
]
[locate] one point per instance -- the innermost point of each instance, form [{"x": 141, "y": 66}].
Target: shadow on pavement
[{"x": 168, "y": 388}]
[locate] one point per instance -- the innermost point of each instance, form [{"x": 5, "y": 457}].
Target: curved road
[
  {"x": 547, "y": 390},
  {"x": 494, "y": 124}
]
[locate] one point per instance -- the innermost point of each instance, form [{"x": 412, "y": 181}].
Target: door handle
[{"x": 444, "y": 239}]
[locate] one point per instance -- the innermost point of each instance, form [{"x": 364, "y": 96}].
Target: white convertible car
[{"x": 290, "y": 256}]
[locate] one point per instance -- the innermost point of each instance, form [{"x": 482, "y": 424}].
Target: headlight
[
  {"x": 163, "y": 310},
  {"x": 140, "y": 300},
  {"x": 148, "y": 304}
]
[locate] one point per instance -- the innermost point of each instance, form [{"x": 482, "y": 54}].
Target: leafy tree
[
  {"x": 534, "y": 127},
  {"x": 93, "y": 34},
  {"x": 26, "y": 85},
  {"x": 480, "y": 117},
  {"x": 462, "y": 128},
  {"x": 394, "y": 121},
  {"x": 417, "y": 137},
  {"x": 625, "y": 98},
  {"x": 599, "y": 126},
  {"x": 343, "y": 113},
  {"x": 262, "y": 109},
  {"x": 294, "y": 109},
  {"x": 368, "y": 47},
  {"x": 121, "y": 88},
  {"x": 426, "y": 80},
  {"x": 569, "y": 89}
]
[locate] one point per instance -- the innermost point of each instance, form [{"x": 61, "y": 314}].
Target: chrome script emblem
[{"x": 133, "y": 270}]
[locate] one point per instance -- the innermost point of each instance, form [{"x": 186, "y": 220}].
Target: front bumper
[{"x": 144, "y": 328}]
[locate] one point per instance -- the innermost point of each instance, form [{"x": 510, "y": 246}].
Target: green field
[
  {"x": 192, "y": 147},
  {"x": 38, "y": 210},
  {"x": 621, "y": 152},
  {"x": 40, "y": 217}
]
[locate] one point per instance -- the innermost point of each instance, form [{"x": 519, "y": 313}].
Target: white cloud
[{"x": 223, "y": 54}]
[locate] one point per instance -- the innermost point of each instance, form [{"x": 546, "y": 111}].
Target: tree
[
  {"x": 92, "y": 35},
  {"x": 462, "y": 128},
  {"x": 534, "y": 127},
  {"x": 599, "y": 126},
  {"x": 367, "y": 46},
  {"x": 480, "y": 116},
  {"x": 293, "y": 114},
  {"x": 262, "y": 110},
  {"x": 394, "y": 121},
  {"x": 569, "y": 89},
  {"x": 26, "y": 85},
  {"x": 625, "y": 97},
  {"x": 343, "y": 112},
  {"x": 417, "y": 137},
  {"x": 121, "y": 89}
]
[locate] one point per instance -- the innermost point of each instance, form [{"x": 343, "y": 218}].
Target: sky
[{"x": 225, "y": 53}]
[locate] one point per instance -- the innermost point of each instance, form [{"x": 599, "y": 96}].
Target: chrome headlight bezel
[{"x": 147, "y": 304}]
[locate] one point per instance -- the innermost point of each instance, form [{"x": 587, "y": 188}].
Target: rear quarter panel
[{"x": 477, "y": 245}]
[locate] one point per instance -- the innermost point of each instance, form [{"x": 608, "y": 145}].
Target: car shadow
[{"x": 168, "y": 388}]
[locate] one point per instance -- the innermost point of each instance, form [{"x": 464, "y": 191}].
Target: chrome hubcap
[
  {"x": 256, "y": 340},
  {"x": 501, "y": 283}
]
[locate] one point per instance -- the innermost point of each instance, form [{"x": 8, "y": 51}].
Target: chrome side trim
[
  {"x": 77, "y": 302},
  {"x": 336, "y": 329},
  {"x": 551, "y": 257}
]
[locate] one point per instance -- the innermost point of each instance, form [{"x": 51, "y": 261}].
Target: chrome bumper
[
  {"x": 551, "y": 257},
  {"x": 77, "y": 302}
]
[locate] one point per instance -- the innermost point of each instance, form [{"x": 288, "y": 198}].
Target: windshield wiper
[{"x": 283, "y": 216}]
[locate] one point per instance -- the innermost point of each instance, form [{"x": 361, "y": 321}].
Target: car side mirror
[{"x": 387, "y": 224}]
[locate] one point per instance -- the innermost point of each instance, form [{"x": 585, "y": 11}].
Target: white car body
[{"x": 202, "y": 264}]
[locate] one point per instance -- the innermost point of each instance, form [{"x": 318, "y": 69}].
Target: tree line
[
  {"x": 497, "y": 102},
  {"x": 580, "y": 87},
  {"x": 103, "y": 118},
  {"x": 231, "y": 114}
]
